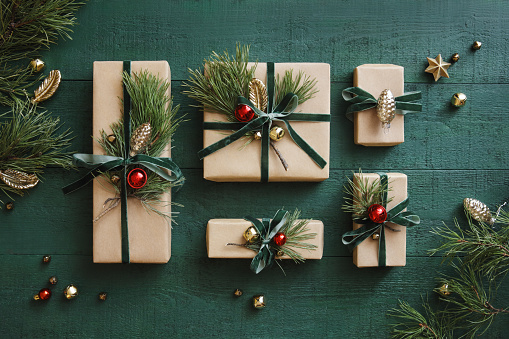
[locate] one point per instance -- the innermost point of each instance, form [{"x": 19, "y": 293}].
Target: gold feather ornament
[
  {"x": 140, "y": 138},
  {"x": 18, "y": 180},
  {"x": 48, "y": 87},
  {"x": 258, "y": 94}
]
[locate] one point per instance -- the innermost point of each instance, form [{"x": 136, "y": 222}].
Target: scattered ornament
[
  {"x": 103, "y": 296},
  {"x": 115, "y": 179},
  {"x": 48, "y": 87},
  {"x": 438, "y": 67},
  {"x": 43, "y": 294},
  {"x": 18, "y": 180},
  {"x": 37, "y": 65},
  {"x": 259, "y": 301},
  {"x": 375, "y": 236},
  {"x": 478, "y": 210},
  {"x": 46, "y": 259},
  {"x": 455, "y": 57},
  {"x": 444, "y": 290},
  {"x": 140, "y": 138},
  {"x": 476, "y": 45},
  {"x": 458, "y": 99},
  {"x": 9, "y": 206},
  {"x": 53, "y": 280},
  {"x": 279, "y": 238},
  {"x": 251, "y": 234},
  {"x": 238, "y": 292},
  {"x": 258, "y": 94},
  {"x": 386, "y": 109},
  {"x": 137, "y": 178},
  {"x": 377, "y": 213},
  {"x": 276, "y": 133},
  {"x": 111, "y": 138},
  {"x": 71, "y": 291},
  {"x": 244, "y": 113}
]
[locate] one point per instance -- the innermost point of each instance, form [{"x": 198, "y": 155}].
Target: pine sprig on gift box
[
  {"x": 30, "y": 141},
  {"x": 150, "y": 103},
  {"x": 26, "y": 27},
  {"x": 229, "y": 76}
]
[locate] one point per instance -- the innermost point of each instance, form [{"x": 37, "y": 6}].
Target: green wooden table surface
[{"x": 448, "y": 154}]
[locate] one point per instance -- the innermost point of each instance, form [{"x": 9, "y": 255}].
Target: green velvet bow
[
  {"x": 267, "y": 229},
  {"x": 361, "y": 100},
  {"x": 103, "y": 163},
  {"x": 284, "y": 112},
  {"x": 396, "y": 215}
]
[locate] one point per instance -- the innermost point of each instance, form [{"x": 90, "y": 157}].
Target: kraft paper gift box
[
  {"x": 223, "y": 231},
  {"x": 374, "y": 78},
  {"x": 235, "y": 163},
  {"x": 149, "y": 233},
  {"x": 366, "y": 253}
]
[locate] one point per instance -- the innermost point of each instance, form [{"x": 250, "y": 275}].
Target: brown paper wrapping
[
  {"x": 374, "y": 78},
  {"x": 366, "y": 253},
  {"x": 235, "y": 164},
  {"x": 149, "y": 233},
  {"x": 223, "y": 231}
]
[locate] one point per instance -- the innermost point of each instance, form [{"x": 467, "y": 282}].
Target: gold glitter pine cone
[
  {"x": 386, "y": 108},
  {"x": 140, "y": 138},
  {"x": 478, "y": 210}
]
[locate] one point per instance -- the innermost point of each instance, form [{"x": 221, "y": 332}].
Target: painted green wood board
[{"x": 448, "y": 154}]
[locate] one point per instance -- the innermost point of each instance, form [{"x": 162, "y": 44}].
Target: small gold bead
[
  {"x": 455, "y": 57},
  {"x": 477, "y": 45},
  {"x": 458, "y": 99},
  {"x": 53, "y": 280}
]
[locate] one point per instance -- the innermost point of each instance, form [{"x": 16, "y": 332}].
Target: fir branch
[{"x": 302, "y": 86}]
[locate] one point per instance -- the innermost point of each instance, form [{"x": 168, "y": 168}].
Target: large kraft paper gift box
[
  {"x": 374, "y": 78},
  {"x": 223, "y": 231},
  {"x": 366, "y": 253},
  {"x": 235, "y": 163},
  {"x": 149, "y": 233}
]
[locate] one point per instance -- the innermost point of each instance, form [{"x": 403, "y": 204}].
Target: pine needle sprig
[{"x": 302, "y": 86}]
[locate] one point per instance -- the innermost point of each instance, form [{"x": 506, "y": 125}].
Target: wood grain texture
[{"x": 448, "y": 154}]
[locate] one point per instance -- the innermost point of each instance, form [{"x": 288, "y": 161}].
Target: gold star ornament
[{"x": 438, "y": 67}]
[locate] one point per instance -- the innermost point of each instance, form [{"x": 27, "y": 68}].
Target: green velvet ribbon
[
  {"x": 361, "y": 100},
  {"x": 395, "y": 215},
  {"x": 103, "y": 163},
  {"x": 284, "y": 112},
  {"x": 267, "y": 229}
]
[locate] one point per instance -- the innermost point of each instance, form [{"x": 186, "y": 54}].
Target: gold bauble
[
  {"x": 477, "y": 45},
  {"x": 53, "y": 280},
  {"x": 111, "y": 138},
  {"x": 478, "y": 210},
  {"x": 103, "y": 296},
  {"x": 46, "y": 259},
  {"x": 140, "y": 138},
  {"x": 238, "y": 292},
  {"x": 257, "y": 135},
  {"x": 375, "y": 236},
  {"x": 251, "y": 234},
  {"x": 276, "y": 133},
  {"x": 37, "y": 65},
  {"x": 458, "y": 99},
  {"x": 444, "y": 290},
  {"x": 455, "y": 57},
  {"x": 71, "y": 291},
  {"x": 259, "y": 301},
  {"x": 386, "y": 108}
]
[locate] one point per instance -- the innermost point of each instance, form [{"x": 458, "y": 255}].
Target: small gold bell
[
  {"x": 103, "y": 296},
  {"x": 46, "y": 259},
  {"x": 53, "y": 280},
  {"x": 280, "y": 253},
  {"x": 37, "y": 65},
  {"x": 251, "y": 234},
  {"x": 375, "y": 236},
  {"x": 257, "y": 135},
  {"x": 444, "y": 290},
  {"x": 276, "y": 133},
  {"x": 111, "y": 138},
  {"x": 259, "y": 301},
  {"x": 71, "y": 291},
  {"x": 458, "y": 99},
  {"x": 455, "y": 57},
  {"x": 238, "y": 292},
  {"x": 115, "y": 179},
  {"x": 477, "y": 45},
  {"x": 9, "y": 205}
]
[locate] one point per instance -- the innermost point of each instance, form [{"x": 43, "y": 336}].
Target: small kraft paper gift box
[
  {"x": 381, "y": 239},
  {"x": 240, "y": 163},
  {"x": 149, "y": 234},
  {"x": 379, "y": 104}
]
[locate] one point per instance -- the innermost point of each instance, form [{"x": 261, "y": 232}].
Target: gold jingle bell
[
  {"x": 238, "y": 292},
  {"x": 375, "y": 236},
  {"x": 115, "y": 179},
  {"x": 258, "y": 135},
  {"x": 103, "y": 296},
  {"x": 276, "y": 133},
  {"x": 259, "y": 301},
  {"x": 111, "y": 138},
  {"x": 477, "y": 45},
  {"x": 53, "y": 280},
  {"x": 458, "y": 99},
  {"x": 444, "y": 290},
  {"x": 251, "y": 234},
  {"x": 37, "y": 65},
  {"x": 71, "y": 291},
  {"x": 455, "y": 57}
]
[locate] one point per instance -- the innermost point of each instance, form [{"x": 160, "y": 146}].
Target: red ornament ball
[
  {"x": 137, "y": 178},
  {"x": 244, "y": 113},
  {"x": 377, "y": 213},
  {"x": 44, "y": 294},
  {"x": 279, "y": 239}
]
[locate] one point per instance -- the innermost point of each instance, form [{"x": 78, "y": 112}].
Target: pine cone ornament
[
  {"x": 18, "y": 180},
  {"x": 140, "y": 138},
  {"x": 478, "y": 210},
  {"x": 386, "y": 108}
]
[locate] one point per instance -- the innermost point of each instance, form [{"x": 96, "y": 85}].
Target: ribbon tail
[
  {"x": 353, "y": 238},
  {"x": 382, "y": 252},
  {"x": 258, "y": 262},
  {"x": 317, "y": 158}
]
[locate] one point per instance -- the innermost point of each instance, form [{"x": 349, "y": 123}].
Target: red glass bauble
[
  {"x": 137, "y": 178},
  {"x": 377, "y": 213},
  {"x": 45, "y": 294},
  {"x": 244, "y": 113},
  {"x": 279, "y": 239}
]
